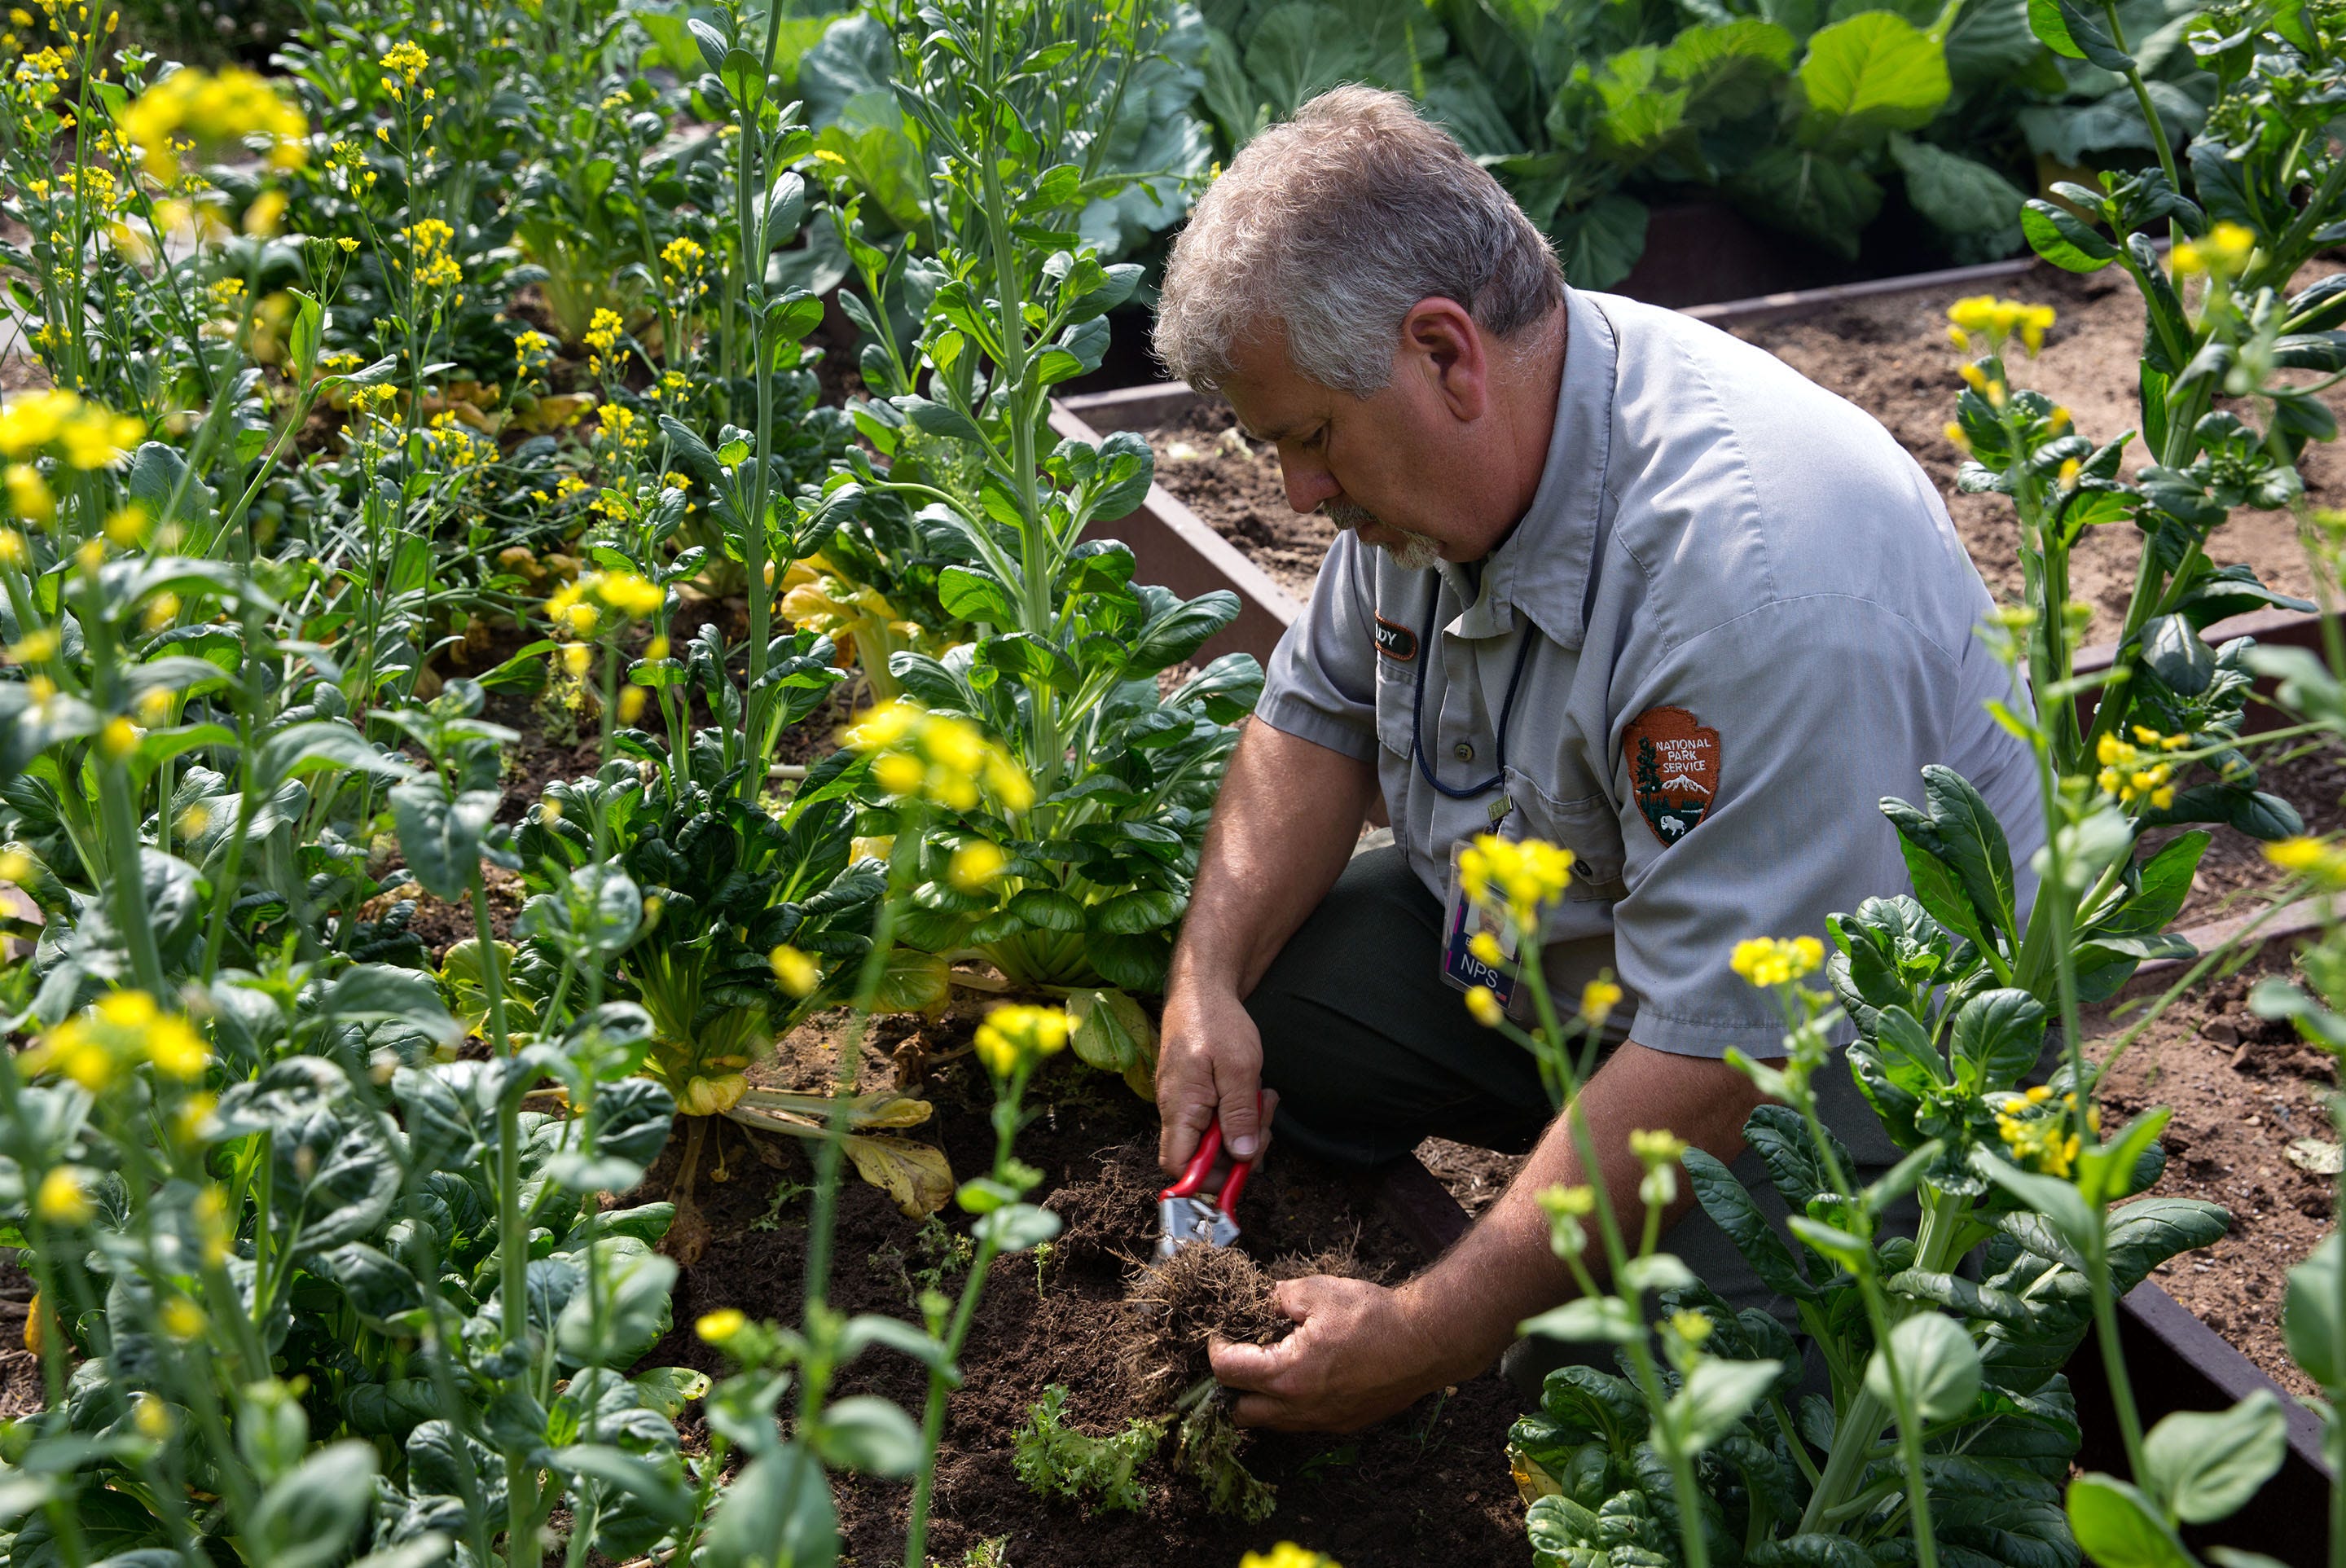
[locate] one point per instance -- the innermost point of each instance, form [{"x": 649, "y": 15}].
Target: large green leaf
[
  {"x": 778, "y": 1512},
  {"x": 2119, "y": 1528},
  {"x": 1811, "y": 193},
  {"x": 1958, "y": 194},
  {"x": 2206, "y": 1464},
  {"x": 307, "y": 1517},
  {"x": 1937, "y": 1362},
  {"x": 1726, "y": 67},
  {"x": 1864, "y": 78},
  {"x": 1599, "y": 244}
]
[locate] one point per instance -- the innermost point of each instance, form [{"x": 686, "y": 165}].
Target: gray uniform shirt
[{"x": 1742, "y": 618}]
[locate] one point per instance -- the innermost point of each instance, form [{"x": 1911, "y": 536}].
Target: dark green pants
[{"x": 1371, "y": 1054}]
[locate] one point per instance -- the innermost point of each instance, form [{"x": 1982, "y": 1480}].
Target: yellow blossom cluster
[
  {"x": 2133, "y": 773},
  {"x": 404, "y": 66},
  {"x": 600, "y": 599},
  {"x": 1015, "y": 1037},
  {"x": 96, "y": 1046},
  {"x": 1768, "y": 961},
  {"x": 795, "y": 972},
  {"x": 939, "y": 757},
  {"x": 63, "y": 426},
  {"x": 2223, "y": 253},
  {"x": 1287, "y": 1554},
  {"x": 2311, "y": 859},
  {"x": 683, "y": 258},
  {"x": 976, "y": 866},
  {"x": 603, "y": 333},
  {"x": 429, "y": 259},
  {"x": 2038, "y": 1133},
  {"x": 1985, "y": 316},
  {"x": 1599, "y": 998},
  {"x": 1520, "y": 874},
  {"x": 211, "y": 109},
  {"x": 717, "y": 1328}
]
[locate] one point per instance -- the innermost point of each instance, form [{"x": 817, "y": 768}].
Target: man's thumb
[{"x": 1241, "y": 1115}]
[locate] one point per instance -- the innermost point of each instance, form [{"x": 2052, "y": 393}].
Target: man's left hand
[{"x": 1357, "y": 1355}]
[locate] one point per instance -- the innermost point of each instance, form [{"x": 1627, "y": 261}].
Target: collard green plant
[{"x": 1806, "y": 117}]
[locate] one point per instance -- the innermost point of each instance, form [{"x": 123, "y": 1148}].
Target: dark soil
[
  {"x": 2244, "y": 1089},
  {"x": 2234, "y": 878},
  {"x": 1891, "y": 357},
  {"x": 1428, "y": 1486}
]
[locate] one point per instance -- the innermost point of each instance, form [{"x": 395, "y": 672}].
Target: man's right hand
[{"x": 1208, "y": 1066}]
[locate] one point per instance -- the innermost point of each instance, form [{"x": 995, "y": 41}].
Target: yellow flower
[
  {"x": 1690, "y": 1326},
  {"x": 12, "y": 552},
  {"x": 1983, "y": 315},
  {"x": 1486, "y": 947},
  {"x": 1957, "y": 439},
  {"x": 177, "y": 1050},
  {"x": 155, "y": 708},
  {"x": 16, "y": 867},
  {"x": 1484, "y": 1004},
  {"x": 1524, "y": 874},
  {"x": 1287, "y": 1554},
  {"x": 406, "y": 60},
  {"x": 576, "y": 659},
  {"x": 797, "y": 972},
  {"x": 2311, "y": 859},
  {"x": 39, "y": 646},
  {"x": 682, "y": 255},
  {"x": 2224, "y": 253},
  {"x": 265, "y": 214},
  {"x": 118, "y": 739},
  {"x": 85, "y": 435},
  {"x": 182, "y": 1319},
  {"x": 193, "y": 108},
  {"x": 603, "y": 331},
  {"x": 1599, "y": 998},
  {"x": 942, "y": 758},
  {"x": 656, "y": 648},
  {"x": 1767, "y": 962},
  {"x": 1657, "y": 1148},
  {"x": 716, "y": 1328},
  {"x": 1015, "y": 1037},
  {"x": 64, "y": 1198},
  {"x": 976, "y": 866},
  {"x": 631, "y": 704},
  {"x": 28, "y": 493}
]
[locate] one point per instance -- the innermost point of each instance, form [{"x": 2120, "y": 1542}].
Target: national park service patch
[{"x": 1673, "y": 770}]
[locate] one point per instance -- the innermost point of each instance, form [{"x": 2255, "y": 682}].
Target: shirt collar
[{"x": 1542, "y": 566}]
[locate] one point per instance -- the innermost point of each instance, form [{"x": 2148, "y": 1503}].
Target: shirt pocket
[
  {"x": 1589, "y": 826},
  {"x": 1395, "y": 710}
]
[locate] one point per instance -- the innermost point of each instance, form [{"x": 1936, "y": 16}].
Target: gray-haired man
[{"x": 1611, "y": 579}]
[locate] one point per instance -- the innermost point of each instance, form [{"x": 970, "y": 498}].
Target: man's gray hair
[{"x": 1335, "y": 225}]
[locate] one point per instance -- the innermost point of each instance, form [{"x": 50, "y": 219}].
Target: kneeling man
[{"x": 1608, "y": 577}]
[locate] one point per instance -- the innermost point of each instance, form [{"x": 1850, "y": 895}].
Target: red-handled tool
[{"x": 1184, "y": 1213}]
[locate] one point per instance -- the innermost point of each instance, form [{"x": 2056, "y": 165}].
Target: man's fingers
[
  {"x": 1241, "y": 1115},
  {"x": 1184, "y": 1121},
  {"x": 1257, "y": 1411},
  {"x": 1241, "y": 1366}
]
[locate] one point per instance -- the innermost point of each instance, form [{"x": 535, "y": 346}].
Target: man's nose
[{"x": 1308, "y": 485}]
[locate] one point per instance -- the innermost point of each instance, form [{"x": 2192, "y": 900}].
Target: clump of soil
[
  {"x": 1179, "y": 1308},
  {"x": 2244, "y": 1089}
]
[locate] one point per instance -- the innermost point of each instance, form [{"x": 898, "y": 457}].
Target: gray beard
[{"x": 1415, "y": 553}]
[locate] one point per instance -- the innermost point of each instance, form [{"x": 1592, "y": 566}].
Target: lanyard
[{"x": 1417, "y": 705}]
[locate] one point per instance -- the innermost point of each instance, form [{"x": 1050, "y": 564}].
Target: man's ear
[{"x": 1444, "y": 350}]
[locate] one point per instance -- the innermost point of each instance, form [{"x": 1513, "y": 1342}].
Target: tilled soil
[
  {"x": 1428, "y": 1486},
  {"x": 2244, "y": 1089},
  {"x": 1891, "y": 357}
]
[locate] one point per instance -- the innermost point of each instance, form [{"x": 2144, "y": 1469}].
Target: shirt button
[{"x": 1463, "y": 751}]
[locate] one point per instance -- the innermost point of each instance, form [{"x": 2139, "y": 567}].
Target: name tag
[{"x": 1396, "y": 643}]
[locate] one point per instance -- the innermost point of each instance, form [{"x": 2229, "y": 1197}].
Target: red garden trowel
[{"x": 1185, "y": 1213}]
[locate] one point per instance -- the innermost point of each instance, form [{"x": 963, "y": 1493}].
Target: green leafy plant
[
  {"x": 1055, "y": 1459},
  {"x": 1081, "y": 886}
]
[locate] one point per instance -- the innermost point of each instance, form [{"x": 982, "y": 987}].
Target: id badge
[{"x": 1461, "y": 970}]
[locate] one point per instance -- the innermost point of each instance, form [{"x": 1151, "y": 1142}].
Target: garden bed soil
[
  {"x": 1429, "y": 1485},
  {"x": 1889, "y": 354},
  {"x": 2244, "y": 1089}
]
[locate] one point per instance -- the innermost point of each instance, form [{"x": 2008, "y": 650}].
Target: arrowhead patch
[{"x": 1673, "y": 770}]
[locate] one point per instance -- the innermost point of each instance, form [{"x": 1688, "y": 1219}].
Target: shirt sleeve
[
  {"x": 1820, "y": 706},
  {"x": 1321, "y": 685}
]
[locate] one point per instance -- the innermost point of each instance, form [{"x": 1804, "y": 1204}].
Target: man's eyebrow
[{"x": 1272, "y": 439}]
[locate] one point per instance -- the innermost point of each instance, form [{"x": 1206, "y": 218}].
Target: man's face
[{"x": 1371, "y": 465}]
